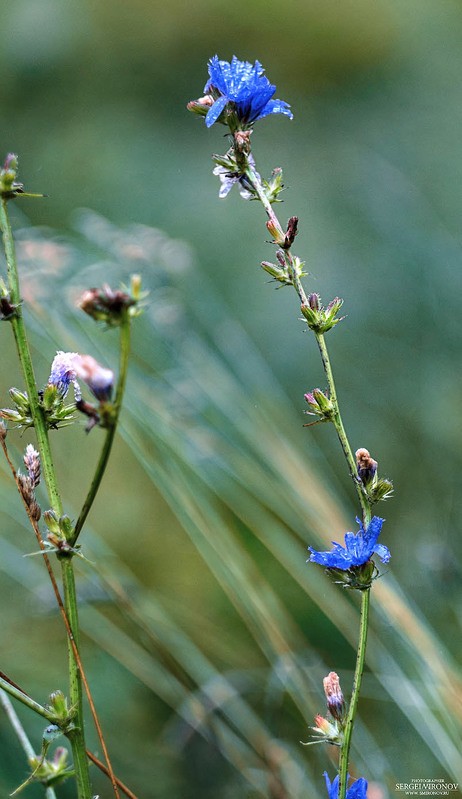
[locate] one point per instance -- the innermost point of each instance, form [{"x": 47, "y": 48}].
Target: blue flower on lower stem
[
  {"x": 358, "y": 790},
  {"x": 246, "y": 87},
  {"x": 358, "y": 548}
]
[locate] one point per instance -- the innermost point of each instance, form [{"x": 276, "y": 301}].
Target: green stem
[
  {"x": 107, "y": 446},
  {"x": 341, "y": 433},
  {"x": 77, "y": 737},
  {"x": 348, "y": 729},
  {"x": 25, "y": 358},
  {"x": 16, "y": 693},
  {"x": 255, "y": 181}
]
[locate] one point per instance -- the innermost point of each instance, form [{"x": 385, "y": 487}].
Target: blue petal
[
  {"x": 215, "y": 110},
  {"x": 276, "y": 107},
  {"x": 358, "y": 790},
  {"x": 332, "y": 787},
  {"x": 383, "y": 552}
]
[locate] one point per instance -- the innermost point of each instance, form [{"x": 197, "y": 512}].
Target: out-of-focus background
[{"x": 205, "y": 634}]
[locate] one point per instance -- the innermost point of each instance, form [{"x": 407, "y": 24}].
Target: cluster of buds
[
  {"x": 375, "y": 487},
  {"x": 320, "y": 405},
  {"x": 282, "y": 239},
  {"x": 59, "y": 706},
  {"x": 27, "y": 483},
  {"x": 49, "y": 772},
  {"x": 318, "y": 318},
  {"x": 112, "y": 305},
  {"x": 330, "y": 730},
  {"x": 57, "y": 412},
  {"x": 60, "y": 531}
]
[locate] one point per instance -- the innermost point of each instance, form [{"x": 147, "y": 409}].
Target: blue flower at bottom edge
[
  {"x": 356, "y": 791},
  {"x": 358, "y": 548},
  {"x": 244, "y": 85}
]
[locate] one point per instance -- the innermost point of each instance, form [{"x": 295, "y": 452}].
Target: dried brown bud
[
  {"x": 26, "y": 488},
  {"x": 242, "y": 141},
  {"x": 105, "y": 304},
  {"x": 291, "y": 232}
]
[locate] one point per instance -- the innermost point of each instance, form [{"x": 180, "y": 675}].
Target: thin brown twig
[
  {"x": 109, "y": 770},
  {"x": 124, "y": 788}
]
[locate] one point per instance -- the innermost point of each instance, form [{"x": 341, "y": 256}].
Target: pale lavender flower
[
  {"x": 63, "y": 373},
  {"x": 99, "y": 380}
]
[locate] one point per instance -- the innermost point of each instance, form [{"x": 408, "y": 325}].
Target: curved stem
[
  {"x": 107, "y": 446},
  {"x": 348, "y": 729},
  {"x": 77, "y": 738}
]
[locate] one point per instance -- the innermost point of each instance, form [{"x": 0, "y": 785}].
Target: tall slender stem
[
  {"x": 348, "y": 729},
  {"x": 77, "y": 738},
  {"x": 107, "y": 446},
  {"x": 254, "y": 179}
]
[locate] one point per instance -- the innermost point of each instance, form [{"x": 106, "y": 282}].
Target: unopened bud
[
  {"x": 291, "y": 232},
  {"x": 366, "y": 466},
  {"x": 314, "y": 302},
  {"x": 276, "y": 233},
  {"x": 99, "y": 380},
  {"x": 334, "y": 696},
  {"x": 32, "y": 463}
]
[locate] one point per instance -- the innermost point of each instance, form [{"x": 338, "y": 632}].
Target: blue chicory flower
[
  {"x": 246, "y": 87},
  {"x": 63, "y": 373},
  {"x": 358, "y": 790},
  {"x": 358, "y": 548}
]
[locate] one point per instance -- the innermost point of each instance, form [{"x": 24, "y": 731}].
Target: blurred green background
[{"x": 206, "y": 636}]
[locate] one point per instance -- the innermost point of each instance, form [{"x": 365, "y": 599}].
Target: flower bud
[
  {"x": 320, "y": 405},
  {"x": 366, "y": 466},
  {"x": 276, "y": 233},
  {"x": 52, "y": 521},
  {"x": 334, "y": 696},
  {"x": 276, "y": 272},
  {"x": 106, "y": 304},
  {"x": 32, "y": 463},
  {"x": 314, "y": 301},
  {"x": 99, "y": 380},
  {"x": 321, "y": 319},
  {"x": 291, "y": 232}
]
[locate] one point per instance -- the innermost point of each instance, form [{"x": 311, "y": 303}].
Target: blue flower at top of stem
[
  {"x": 358, "y": 790},
  {"x": 359, "y": 548},
  {"x": 246, "y": 87}
]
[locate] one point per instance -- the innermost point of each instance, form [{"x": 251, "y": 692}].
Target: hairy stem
[
  {"x": 107, "y": 446},
  {"x": 77, "y": 739}
]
